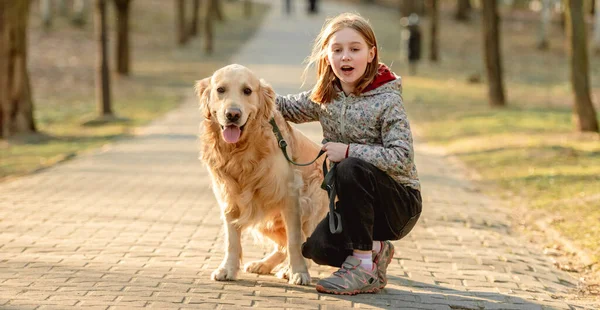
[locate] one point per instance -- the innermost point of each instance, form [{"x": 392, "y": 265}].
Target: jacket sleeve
[
  {"x": 396, "y": 155},
  {"x": 298, "y": 108}
]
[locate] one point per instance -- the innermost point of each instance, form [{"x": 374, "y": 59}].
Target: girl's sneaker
[
  {"x": 382, "y": 260},
  {"x": 351, "y": 279}
]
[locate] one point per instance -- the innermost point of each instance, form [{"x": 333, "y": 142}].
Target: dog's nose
[{"x": 233, "y": 114}]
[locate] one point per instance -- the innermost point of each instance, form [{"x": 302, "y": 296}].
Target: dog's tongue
[{"x": 231, "y": 134}]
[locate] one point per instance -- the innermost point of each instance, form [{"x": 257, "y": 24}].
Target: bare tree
[
  {"x": 433, "y": 31},
  {"x": 248, "y": 8},
  {"x": 491, "y": 44},
  {"x": 545, "y": 14},
  {"x": 80, "y": 8},
  {"x": 47, "y": 12},
  {"x": 122, "y": 47},
  {"x": 16, "y": 106},
  {"x": 288, "y": 6},
  {"x": 596, "y": 42},
  {"x": 463, "y": 9},
  {"x": 103, "y": 97},
  {"x": 585, "y": 114},
  {"x": 208, "y": 26},
  {"x": 63, "y": 7},
  {"x": 182, "y": 34},
  {"x": 218, "y": 9},
  {"x": 194, "y": 23}
]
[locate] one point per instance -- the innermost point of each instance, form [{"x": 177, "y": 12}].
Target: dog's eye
[
  {"x": 247, "y": 91},
  {"x": 220, "y": 90}
]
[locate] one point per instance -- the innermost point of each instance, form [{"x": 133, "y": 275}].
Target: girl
[{"x": 358, "y": 102}]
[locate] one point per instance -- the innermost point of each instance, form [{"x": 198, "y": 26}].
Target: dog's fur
[{"x": 252, "y": 181}]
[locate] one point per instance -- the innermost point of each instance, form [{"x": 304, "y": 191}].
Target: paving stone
[{"x": 136, "y": 225}]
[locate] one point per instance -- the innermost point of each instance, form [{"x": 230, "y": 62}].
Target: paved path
[{"x": 135, "y": 225}]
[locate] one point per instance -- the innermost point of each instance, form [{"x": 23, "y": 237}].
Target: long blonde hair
[{"x": 324, "y": 90}]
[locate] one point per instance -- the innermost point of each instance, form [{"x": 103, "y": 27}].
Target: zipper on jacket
[{"x": 342, "y": 119}]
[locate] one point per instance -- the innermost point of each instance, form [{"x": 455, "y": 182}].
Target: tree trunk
[
  {"x": 63, "y": 8},
  {"x": 16, "y": 106},
  {"x": 463, "y": 8},
  {"x": 596, "y": 43},
  {"x": 79, "y": 12},
  {"x": 545, "y": 14},
  {"x": 182, "y": 36},
  {"x": 433, "y": 34},
  {"x": 103, "y": 100},
  {"x": 585, "y": 115},
  {"x": 208, "y": 26},
  {"x": 194, "y": 24},
  {"x": 247, "y": 8},
  {"x": 46, "y": 10},
  {"x": 123, "y": 50},
  {"x": 218, "y": 10},
  {"x": 493, "y": 62},
  {"x": 288, "y": 6}
]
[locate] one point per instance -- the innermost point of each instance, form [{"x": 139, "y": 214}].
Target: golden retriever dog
[{"x": 255, "y": 186}]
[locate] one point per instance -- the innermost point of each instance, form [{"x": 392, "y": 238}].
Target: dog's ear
[
  {"x": 267, "y": 100},
  {"x": 202, "y": 89}
]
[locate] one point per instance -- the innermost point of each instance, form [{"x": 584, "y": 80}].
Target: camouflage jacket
[{"x": 374, "y": 124}]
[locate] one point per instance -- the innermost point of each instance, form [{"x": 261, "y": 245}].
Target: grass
[
  {"x": 61, "y": 64},
  {"x": 528, "y": 153}
]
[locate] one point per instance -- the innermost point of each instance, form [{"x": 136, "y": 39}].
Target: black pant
[{"x": 373, "y": 207}]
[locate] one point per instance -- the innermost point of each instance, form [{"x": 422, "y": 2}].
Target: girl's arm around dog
[{"x": 298, "y": 108}]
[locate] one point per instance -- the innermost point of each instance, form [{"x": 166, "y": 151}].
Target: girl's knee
[{"x": 350, "y": 168}]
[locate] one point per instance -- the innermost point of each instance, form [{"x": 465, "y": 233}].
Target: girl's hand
[{"x": 335, "y": 151}]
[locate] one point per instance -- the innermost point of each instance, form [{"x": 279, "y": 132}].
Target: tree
[
  {"x": 247, "y": 8},
  {"x": 545, "y": 12},
  {"x": 596, "y": 41},
  {"x": 208, "y": 26},
  {"x": 63, "y": 8},
  {"x": 433, "y": 31},
  {"x": 79, "y": 12},
  {"x": 463, "y": 8},
  {"x": 194, "y": 23},
  {"x": 122, "y": 47},
  {"x": 218, "y": 9},
  {"x": 493, "y": 62},
  {"x": 103, "y": 98},
  {"x": 46, "y": 10},
  {"x": 585, "y": 115},
  {"x": 182, "y": 34},
  {"x": 16, "y": 106}
]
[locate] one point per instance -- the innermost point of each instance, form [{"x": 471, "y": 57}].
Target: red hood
[{"x": 383, "y": 76}]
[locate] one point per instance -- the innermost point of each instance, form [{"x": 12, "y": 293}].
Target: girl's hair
[{"x": 324, "y": 91}]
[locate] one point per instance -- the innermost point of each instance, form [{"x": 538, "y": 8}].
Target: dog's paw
[
  {"x": 258, "y": 267},
  {"x": 224, "y": 274},
  {"x": 283, "y": 272},
  {"x": 300, "y": 278}
]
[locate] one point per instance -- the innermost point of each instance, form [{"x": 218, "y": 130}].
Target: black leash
[
  {"x": 283, "y": 145},
  {"x": 335, "y": 219}
]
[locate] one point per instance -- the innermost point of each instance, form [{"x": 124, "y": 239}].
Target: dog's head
[{"x": 235, "y": 98}]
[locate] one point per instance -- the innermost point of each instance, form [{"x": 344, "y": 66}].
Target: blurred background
[{"x": 509, "y": 87}]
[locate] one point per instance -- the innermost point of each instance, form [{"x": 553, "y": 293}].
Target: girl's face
[{"x": 348, "y": 54}]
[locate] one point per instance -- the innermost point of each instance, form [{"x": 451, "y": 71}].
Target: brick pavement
[{"x": 135, "y": 225}]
